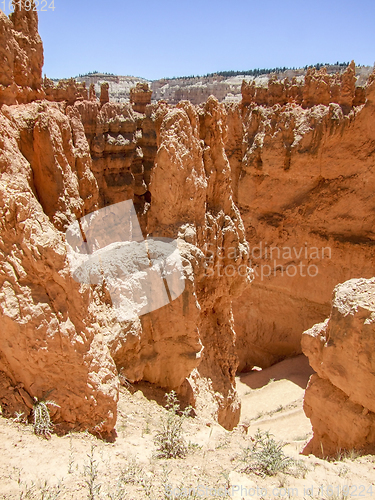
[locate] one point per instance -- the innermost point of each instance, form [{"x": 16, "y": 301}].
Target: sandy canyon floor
[{"x": 79, "y": 466}]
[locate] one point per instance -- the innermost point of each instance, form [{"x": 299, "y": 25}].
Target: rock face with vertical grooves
[
  {"x": 50, "y": 336},
  {"x": 171, "y": 161},
  {"x": 290, "y": 168},
  {"x": 317, "y": 87},
  {"x": 21, "y": 55},
  {"x": 62, "y": 160},
  {"x": 303, "y": 179}
]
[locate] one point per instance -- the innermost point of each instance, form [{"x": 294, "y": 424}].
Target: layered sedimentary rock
[
  {"x": 104, "y": 95},
  {"x": 317, "y": 87},
  {"x": 303, "y": 180},
  {"x": 92, "y": 94},
  {"x": 285, "y": 172},
  {"x": 65, "y": 90},
  {"x": 50, "y": 339},
  {"x": 63, "y": 160},
  {"x": 21, "y": 55},
  {"x": 191, "y": 197},
  {"x": 49, "y": 145},
  {"x": 340, "y": 398},
  {"x": 140, "y": 96},
  {"x": 121, "y": 159},
  {"x": 172, "y": 163},
  {"x": 226, "y": 89}
]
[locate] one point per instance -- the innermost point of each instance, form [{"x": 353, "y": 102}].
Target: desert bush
[
  {"x": 169, "y": 440},
  {"x": 91, "y": 475},
  {"x": 41, "y": 491},
  {"x": 265, "y": 456},
  {"x": 41, "y": 418}
]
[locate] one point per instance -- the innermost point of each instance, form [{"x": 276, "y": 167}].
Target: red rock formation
[
  {"x": 140, "y": 96},
  {"x": 277, "y": 91},
  {"x": 347, "y": 90},
  {"x": 340, "y": 398},
  {"x": 318, "y": 88},
  {"x": 92, "y": 94},
  {"x": 303, "y": 181},
  {"x": 21, "y": 55},
  {"x": 339, "y": 425},
  {"x": 191, "y": 197},
  {"x": 49, "y": 337},
  {"x": 115, "y": 148},
  {"x": 65, "y": 90},
  {"x": 63, "y": 160},
  {"x": 295, "y": 92},
  {"x": 297, "y": 175},
  {"x": 186, "y": 196},
  {"x": 359, "y": 96},
  {"x": 104, "y": 93},
  {"x": 248, "y": 92}
]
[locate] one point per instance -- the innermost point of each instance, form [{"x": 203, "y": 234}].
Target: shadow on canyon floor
[{"x": 297, "y": 370}]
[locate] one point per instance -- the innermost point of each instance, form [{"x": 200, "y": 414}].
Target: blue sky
[{"x": 164, "y": 38}]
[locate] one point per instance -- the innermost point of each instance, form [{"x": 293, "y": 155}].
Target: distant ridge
[
  {"x": 266, "y": 71},
  {"x": 250, "y": 72},
  {"x": 224, "y": 85}
]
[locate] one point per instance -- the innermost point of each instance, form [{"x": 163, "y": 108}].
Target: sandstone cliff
[
  {"x": 172, "y": 163},
  {"x": 140, "y": 96},
  {"x": 21, "y": 55},
  {"x": 61, "y": 160},
  {"x": 50, "y": 339},
  {"x": 303, "y": 180},
  {"x": 289, "y": 168},
  {"x": 65, "y": 90},
  {"x": 317, "y": 87},
  {"x": 65, "y": 335},
  {"x": 339, "y": 399}
]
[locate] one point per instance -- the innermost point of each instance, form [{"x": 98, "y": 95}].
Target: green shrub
[
  {"x": 266, "y": 456},
  {"x": 41, "y": 418},
  {"x": 169, "y": 440}
]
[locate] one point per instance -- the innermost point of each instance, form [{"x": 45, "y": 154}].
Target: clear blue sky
[{"x": 154, "y": 39}]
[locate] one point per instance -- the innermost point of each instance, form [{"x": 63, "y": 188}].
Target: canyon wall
[
  {"x": 282, "y": 182},
  {"x": 171, "y": 162},
  {"x": 50, "y": 336},
  {"x": 21, "y": 55},
  {"x": 57, "y": 334},
  {"x": 339, "y": 398},
  {"x": 65, "y": 157},
  {"x": 303, "y": 180}
]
